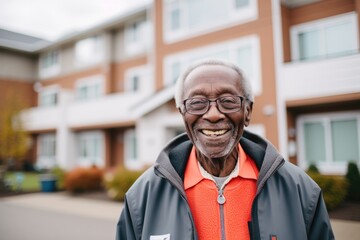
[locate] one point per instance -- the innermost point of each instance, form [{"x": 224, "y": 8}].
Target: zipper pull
[{"x": 221, "y": 198}]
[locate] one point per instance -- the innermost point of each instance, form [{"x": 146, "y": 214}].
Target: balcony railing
[
  {"x": 326, "y": 77},
  {"x": 111, "y": 109}
]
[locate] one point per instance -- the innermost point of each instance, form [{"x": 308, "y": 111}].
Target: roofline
[{"x": 109, "y": 24}]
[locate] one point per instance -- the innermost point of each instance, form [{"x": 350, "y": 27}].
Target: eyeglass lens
[{"x": 226, "y": 104}]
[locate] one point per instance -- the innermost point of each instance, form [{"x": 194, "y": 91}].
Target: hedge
[
  {"x": 83, "y": 179},
  {"x": 118, "y": 182},
  {"x": 334, "y": 188}
]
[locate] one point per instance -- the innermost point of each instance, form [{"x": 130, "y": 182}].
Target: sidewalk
[
  {"x": 107, "y": 210},
  {"x": 62, "y": 202}
]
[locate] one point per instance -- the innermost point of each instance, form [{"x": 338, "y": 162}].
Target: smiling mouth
[{"x": 214, "y": 133}]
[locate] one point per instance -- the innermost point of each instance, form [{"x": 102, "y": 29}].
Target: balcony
[
  {"x": 327, "y": 77},
  {"x": 110, "y": 110},
  {"x": 41, "y": 118}
]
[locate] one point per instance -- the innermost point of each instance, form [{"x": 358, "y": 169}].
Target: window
[
  {"x": 89, "y": 88},
  {"x": 131, "y": 146},
  {"x": 184, "y": 18},
  {"x": 136, "y": 37},
  {"x": 243, "y": 51},
  {"x": 48, "y": 96},
  {"x": 90, "y": 148},
  {"x": 325, "y": 38},
  {"x": 89, "y": 50},
  {"x": 46, "y": 151},
  {"x": 138, "y": 80},
  {"x": 329, "y": 141},
  {"x": 49, "y": 63},
  {"x": 241, "y": 3}
]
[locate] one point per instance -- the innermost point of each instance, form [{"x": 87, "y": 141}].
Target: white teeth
[{"x": 213, "y": 133}]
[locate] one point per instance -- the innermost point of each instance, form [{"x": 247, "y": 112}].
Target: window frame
[
  {"x": 145, "y": 82},
  {"x": 46, "y": 161},
  {"x": 92, "y": 160},
  {"x": 130, "y": 138},
  {"x": 95, "y": 51},
  {"x": 90, "y": 82},
  {"x": 321, "y": 25},
  {"x": 141, "y": 43},
  {"x": 54, "y": 68},
  {"x": 235, "y": 17},
  {"x": 48, "y": 90},
  {"x": 329, "y": 165},
  {"x": 185, "y": 57}
]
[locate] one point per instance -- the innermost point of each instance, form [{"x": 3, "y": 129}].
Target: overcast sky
[{"x": 51, "y": 19}]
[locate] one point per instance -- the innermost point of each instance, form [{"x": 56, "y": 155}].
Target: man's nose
[{"x": 213, "y": 114}]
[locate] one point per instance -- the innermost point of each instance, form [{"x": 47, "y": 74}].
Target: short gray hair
[{"x": 179, "y": 88}]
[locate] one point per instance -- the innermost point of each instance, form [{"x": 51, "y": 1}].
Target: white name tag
[{"x": 160, "y": 237}]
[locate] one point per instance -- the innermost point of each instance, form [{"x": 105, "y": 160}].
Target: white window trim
[
  {"x": 134, "y": 48},
  {"x": 320, "y": 25},
  {"x": 143, "y": 72},
  {"x": 96, "y": 57},
  {"x": 89, "y": 81},
  {"x": 52, "y": 70},
  {"x": 131, "y": 163},
  {"x": 86, "y": 162},
  {"x": 235, "y": 18},
  {"x": 185, "y": 56},
  {"x": 49, "y": 90},
  {"x": 45, "y": 162},
  {"x": 329, "y": 166}
]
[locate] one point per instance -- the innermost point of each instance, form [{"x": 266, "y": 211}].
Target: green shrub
[
  {"x": 83, "y": 179},
  {"x": 334, "y": 189},
  {"x": 118, "y": 182},
  {"x": 313, "y": 169},
  {"x": 59, "y": 174},
  {"x": 353, "y": 178}
]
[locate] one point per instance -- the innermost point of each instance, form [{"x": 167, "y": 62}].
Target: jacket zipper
[{"x": 221, "y": 200}]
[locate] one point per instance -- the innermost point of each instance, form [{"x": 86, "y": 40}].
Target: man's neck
[{"x": 219, "y": 167}]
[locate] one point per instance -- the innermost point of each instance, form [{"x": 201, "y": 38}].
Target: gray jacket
[{"x": 288, "y": 204}]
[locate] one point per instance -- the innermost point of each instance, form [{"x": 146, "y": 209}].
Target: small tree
[{"x": 13, "y": 139}]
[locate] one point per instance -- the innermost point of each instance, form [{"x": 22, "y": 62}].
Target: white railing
[
  {"x": 111, "y": 109},
  {"x": 108, "y": 110},
  {"x": 301, "y": 80},
  {"x": 41, "y": 118}
]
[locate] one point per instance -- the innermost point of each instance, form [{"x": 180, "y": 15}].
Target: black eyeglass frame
[{"x": 184, "y": 109}]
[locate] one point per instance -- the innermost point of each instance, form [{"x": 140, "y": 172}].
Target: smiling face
[{"x": 215, "y": 134}]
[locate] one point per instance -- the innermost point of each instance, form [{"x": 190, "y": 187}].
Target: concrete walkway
[
  {"x": 107, "y": 210},
  {"x": 62, "y": 202}
]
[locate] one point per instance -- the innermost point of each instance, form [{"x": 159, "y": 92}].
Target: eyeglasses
[{"x": 200, "y": 106}]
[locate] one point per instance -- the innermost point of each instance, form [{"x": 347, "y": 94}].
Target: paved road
[
  {"x": 62, "y": 217},
  {"x": 35, "y": 218}
]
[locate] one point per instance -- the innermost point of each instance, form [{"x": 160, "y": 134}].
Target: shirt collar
[{"x": 194, "y": 173}]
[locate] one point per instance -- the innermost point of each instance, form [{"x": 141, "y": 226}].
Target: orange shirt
[{"x": 239, "y": 193}]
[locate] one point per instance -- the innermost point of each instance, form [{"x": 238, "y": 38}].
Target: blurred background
[{"x": 89, "y": 85}]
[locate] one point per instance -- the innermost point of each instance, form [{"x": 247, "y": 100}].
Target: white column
[
  {"x": 279, "y": 63},
  {"x": 65, "y": 138}
]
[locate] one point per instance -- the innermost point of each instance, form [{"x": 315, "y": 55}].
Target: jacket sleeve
[
  {"x": 320, "y": 228},
  {"x": 125, "y": 227}
]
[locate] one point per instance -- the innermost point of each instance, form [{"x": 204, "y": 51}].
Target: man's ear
[{"x": 248, "y": 112}]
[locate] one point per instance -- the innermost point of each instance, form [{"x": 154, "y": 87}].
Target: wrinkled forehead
[{"x": 219, "y": 76}]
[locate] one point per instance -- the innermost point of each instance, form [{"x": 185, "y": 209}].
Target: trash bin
[{"x": 48, "y": 183}]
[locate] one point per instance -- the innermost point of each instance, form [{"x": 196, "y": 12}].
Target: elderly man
[{"x": 219, "y": 181}]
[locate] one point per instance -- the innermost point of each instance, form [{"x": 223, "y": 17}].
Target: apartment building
[{"x": 105, "y": 96}]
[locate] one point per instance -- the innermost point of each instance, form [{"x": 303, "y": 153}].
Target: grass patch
[{"x": 30, "y": 181}]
